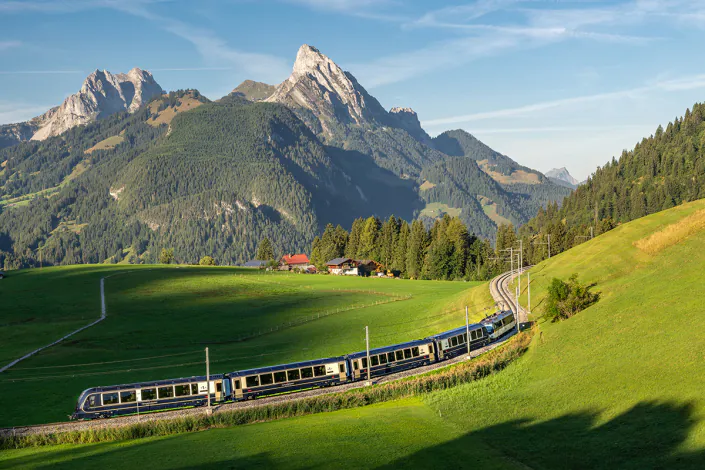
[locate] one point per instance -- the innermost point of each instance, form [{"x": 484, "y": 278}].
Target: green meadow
[
  {"x": 160, "y": 319},
  {"x": 619, "y": 385}
]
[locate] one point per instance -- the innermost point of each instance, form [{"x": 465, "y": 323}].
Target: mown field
[
  {"x": 620, "y": 385},
  {"x": 160, "y": 319}
]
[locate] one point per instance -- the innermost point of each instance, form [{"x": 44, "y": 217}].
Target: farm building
[
  {"x": 256, "y": 263},
  {"x": 368, "y": 266},
  {"x": 343, "y": 267},
  {"x": 298, "y": 261}
]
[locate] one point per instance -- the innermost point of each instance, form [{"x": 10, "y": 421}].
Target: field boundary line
[{"x": 103, "y": 315}]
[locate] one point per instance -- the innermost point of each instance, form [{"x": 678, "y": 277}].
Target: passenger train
[{"x": 146, "y": 397}]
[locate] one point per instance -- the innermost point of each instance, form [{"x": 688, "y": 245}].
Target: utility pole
[
  {"x": 591, "y": 233},
  {"x": 519, "y": 271},
  {"x": 208, "y": 383},
  {"x": 467, "y": 330},
  {"x": 516, "y": 296},
  {"x": 549, "y": 245},
  {"x": 528, "y": 282},
  {"x": 369, "y": 364},
  {"x": 521, "y": 257}
]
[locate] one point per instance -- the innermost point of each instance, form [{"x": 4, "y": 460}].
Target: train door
[
  {"x": 343, "y": 375},
  {"x": 218, "y": 386},
  {"x": 237, "y": 388}
]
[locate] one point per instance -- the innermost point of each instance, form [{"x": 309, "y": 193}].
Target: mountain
[
  {"x": 101, "y": 95},
  {"x": 562, "y": 177},
  {"x": 662, "y": 171},
  {"x": 215, "y": 177},
  {"x": 253, "y": 91}
]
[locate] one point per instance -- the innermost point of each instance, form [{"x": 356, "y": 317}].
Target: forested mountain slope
[{"x": 662, "y": 171}]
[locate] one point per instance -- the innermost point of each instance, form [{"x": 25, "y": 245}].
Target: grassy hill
[
  {"x": 161, "y": 318},
  {"x": 617, "y": 386}
]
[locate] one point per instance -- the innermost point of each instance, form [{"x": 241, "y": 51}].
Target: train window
[
  {"x": 166, "y": 392},
  {"x": 128, "y": 397},
  {"x": 464, "y": 338},
  {"x": 149, "y": 394},
  {"x": 454, "y": 341},
  {"x": 266, "y": 379},
  {"x": 400, "y": 355},
  {"x": 182, "y": 390},
  {"x": 280, "y": 377},
  {"x": 252, "y": 381},
  {"x": 110, "y": 398},
  {"x": 306, "y": 373},
  {"x": 390, "y": 357},
  {"x": 293, "y": 374},
  {"x": 407, "y": 353},
  {"x": 194, "y": 389},
  {"x": 374, "y": 360},
  {"x": 342, "y": 368},
  {"x": 356, "y": 366},
  {"x": 319, "y": 371},
  {"x": 382, "y": 358},
  {"x": 415, "y": 351},
  {"x": 364, "y": 362},
  {"x": 473, "y": 335},
  {"x": 93, "y": 400},
  {"x": 237, "y": 384}
]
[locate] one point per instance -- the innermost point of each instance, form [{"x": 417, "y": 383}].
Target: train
[{"x": 250, "y": 384}]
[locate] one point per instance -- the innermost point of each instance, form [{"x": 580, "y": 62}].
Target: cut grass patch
[
  {"x": 165, "y": 116},
  {"x": 673, "y": 233},
  {"x": 437, "y": 209},
  {"x": 426, "y": 185},
  {"x": 489, "y": 207},
  {"x": 107, "y": 144}
]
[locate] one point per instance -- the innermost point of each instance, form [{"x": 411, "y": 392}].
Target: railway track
[{"x": 498, "y": 289}]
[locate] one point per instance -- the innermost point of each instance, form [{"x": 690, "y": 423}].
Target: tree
[
  {"x": 265, "y": 252},
  {"x": 351, "y": 249},
  {"x": 207, "y": 261},
  {"x": 368, "y": 248},
  {"x": 166, "y": 256},
  {"x": 416, "y": 249},
  {"x": 565, "y": 299}
]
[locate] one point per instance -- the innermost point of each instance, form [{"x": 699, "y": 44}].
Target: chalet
[
  {"x": 368, "y": 266},
  {"x": 290, "y": 262},
  {"x": 256, "y": 263},
  {"x": 343, "y": 267}
]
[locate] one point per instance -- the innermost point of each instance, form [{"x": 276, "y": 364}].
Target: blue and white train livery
[{"x": 145, "y": 397}]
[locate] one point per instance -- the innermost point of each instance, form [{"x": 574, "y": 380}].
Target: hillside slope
[{"x": 619, "y": 385}]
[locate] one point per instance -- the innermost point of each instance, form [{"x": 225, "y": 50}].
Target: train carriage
[
  {"x": 391, "y": 359},
  {"x": 287, "y": 378},
  {"x": 499, "y": 324},
  {"x": 145, "y": 397},
  {"x": 453, "y": 343}
]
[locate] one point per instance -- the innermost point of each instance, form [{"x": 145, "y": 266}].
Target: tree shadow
[{"x": 649, "y": 435}]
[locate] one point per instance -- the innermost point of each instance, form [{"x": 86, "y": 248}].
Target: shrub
[
  {"x": 565, "y": 299},
  {"x": 207, "y": 261}
]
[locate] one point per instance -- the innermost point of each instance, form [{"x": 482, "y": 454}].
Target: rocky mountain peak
[
  {"x": 333, "y": 95},
  {"x": 408, "y": 120},
  {"x": 563, "y": 175},
  {"x": 101, "y": 95}
]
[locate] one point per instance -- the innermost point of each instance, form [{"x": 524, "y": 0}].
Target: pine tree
[
  {"x": 265, "y": 252},
  {"x": 416, "y": 249},
  {"x": 368, "y": 248}
]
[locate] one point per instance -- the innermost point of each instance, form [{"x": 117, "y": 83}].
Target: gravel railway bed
[{"x": 497, "y": 289}]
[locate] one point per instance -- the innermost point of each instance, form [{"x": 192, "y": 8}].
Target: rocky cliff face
[
  {"x": 561, "y": 176},
  {"x": 101, "y": 95},
  {"x": 319, "y": 85},
  {"x": 408, "y": 120}
]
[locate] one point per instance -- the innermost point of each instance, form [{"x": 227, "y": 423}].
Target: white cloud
[
  {"x": 5, "y": 45},
  {"x": 40, "y": 72},
  {"x": 215, "y": 50},
  {"x": 370, "y": 9},
  {"x": 11, "y": 112},
  {"x": 685, "y": 83}
]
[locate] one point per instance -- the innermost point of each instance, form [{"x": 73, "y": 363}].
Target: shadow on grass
[
  {"x": 646, "y": 436},
  {"x": 649, "y": 435}
]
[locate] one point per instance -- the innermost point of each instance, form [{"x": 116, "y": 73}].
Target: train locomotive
[{"x": 187, "y": 392}]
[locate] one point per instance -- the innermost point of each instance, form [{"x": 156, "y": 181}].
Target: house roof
[
  {"x": 255, "y": 263},
  {"x": 337, "y": 261},
  {"x": 295, "y": 259}
]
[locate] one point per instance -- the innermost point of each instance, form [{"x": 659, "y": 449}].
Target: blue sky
[{"x": 549, "y": 83}]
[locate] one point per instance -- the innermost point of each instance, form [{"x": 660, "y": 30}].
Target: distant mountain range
[
  {"x": 562, "y": 177},
  {"x": 101, "y": 95},
  {"x": 130, "y": 170}
]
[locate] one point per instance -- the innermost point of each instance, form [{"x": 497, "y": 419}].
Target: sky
[{"x": 549, "y": 83}]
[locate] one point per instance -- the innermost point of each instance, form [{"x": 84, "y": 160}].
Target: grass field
[
  {"x": 620, "y": 385},
  {"x": 177, "y": 312},
  {"x": 435, "y": 209}
]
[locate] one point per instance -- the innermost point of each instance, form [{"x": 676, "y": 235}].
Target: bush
[
  {"x": 207, "y": 261},
  {"x": 565, "y": 299}
]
